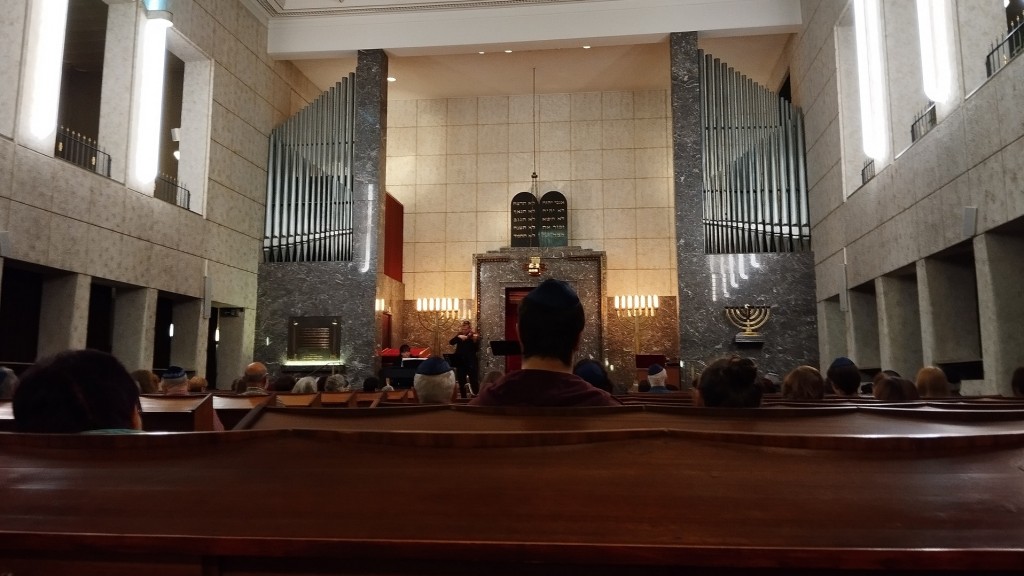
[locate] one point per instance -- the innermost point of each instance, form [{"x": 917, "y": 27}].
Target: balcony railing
[
  {"x": 81, "y": 151},
  {"x": 170, "y": 190},
  {"x": 924, "y": 122},
  {"x": 1007, "y": 49},
  {"x": 867, "y": 172}
]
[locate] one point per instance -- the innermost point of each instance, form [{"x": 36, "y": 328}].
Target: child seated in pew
[
  {"x": 803, "y": 383},
  {"x": 729, "y": 383},
  {"x": 77, "y": 391}
]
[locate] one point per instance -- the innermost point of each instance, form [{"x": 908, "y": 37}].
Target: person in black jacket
[{"x": 467, "y": 343}]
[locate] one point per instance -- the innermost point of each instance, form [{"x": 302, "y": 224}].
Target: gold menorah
[{"x": 748, "y": 319}]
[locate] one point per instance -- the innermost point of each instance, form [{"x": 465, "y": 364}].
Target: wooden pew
[
  {"x": 296, "y": 400},
  {"x": 337, "y": 398},
  {"x": 6, "y": 416},
  {"x": 177, "y": 413},
  {"x": 367, "y": 399},
  {"x": 646, "y": 502},
  {"x": 232, "y": 408}
]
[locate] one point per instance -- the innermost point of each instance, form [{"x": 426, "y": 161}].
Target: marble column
[
  {"x": 948, "y": 295},
  {"x": 188, "y": 347},
  {"x": 64, "y": 317},
  {"x": 134, "y": 327},
  {"x": 899, "y": 324},
  {"x": 1000, "y": 272},
  {"x": 862, "y": 329}
]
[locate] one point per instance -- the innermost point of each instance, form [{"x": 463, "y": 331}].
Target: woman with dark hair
[
  {"x": 729, "y": 382},
  {"x": 803, "y": 383},
  {"x": 593, "y": 371},
  {"x": 77, "y": 391}
]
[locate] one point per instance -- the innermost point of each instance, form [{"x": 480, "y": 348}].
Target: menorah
[
  {"x": 438, "y": 316},
  {"x": 748, "y": 319},
  {"x": 636, "y": 306}
]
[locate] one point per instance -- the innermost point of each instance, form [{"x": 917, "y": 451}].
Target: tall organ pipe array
[
  {"x": 309, "y": 181},
  {"x": 755, "y": 180}
]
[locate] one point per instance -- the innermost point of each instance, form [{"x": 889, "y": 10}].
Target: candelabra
[
  {"x": 636, "y": 306},
  {"x": 438, "y": 316}
]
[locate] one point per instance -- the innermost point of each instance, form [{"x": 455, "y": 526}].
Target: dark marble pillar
[{"x": 686, "y": 143}]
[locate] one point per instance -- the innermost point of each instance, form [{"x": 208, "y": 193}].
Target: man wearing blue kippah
[{"x": 550, "y": 324}]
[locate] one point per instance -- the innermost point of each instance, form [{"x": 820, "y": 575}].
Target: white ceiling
[{"x": 433, "y": 46}]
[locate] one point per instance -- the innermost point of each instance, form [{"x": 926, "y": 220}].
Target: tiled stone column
[
  {"x": 116, "y": 97},
  {"x": 1000, "y": 269},
  {"x": 188, "y": 347},
  {"x": 862, "y": 330},
  {"x": 134, "y": 326},
  {"x": 899, "y": 324},
  {"x": 13, "y": 26},
  {"x": 232, "y": 356},
  {"x": 64, "y": 318},
  {"x": 948, "y": 296},
  {"x": 831, "y": 331}
]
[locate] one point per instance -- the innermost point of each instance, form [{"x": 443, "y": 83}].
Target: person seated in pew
[
  {"x": 551, "y": 321},
  {"x": 305, "y": 385},
  {"x": 387, "y": 387},
  {"x": 803, "y": 383},
  {"x": 8, "y": 383},
  {"x": 434, "y": 381},
  {"x": 197, "y": 384},
  {"x": 337, "y": 383},
  {"x": 657, "y": 376},
  {"x": 843, "y": 377},
  {"x": 174, "y": 381},
  {"x": 592, "y": 371},
  {"x": 931, "y": 382},
  {"x": 283, "y": 383},
  {"x": 729, "y": 383},
  {"x": 371, "y": 384},
  {"x": 492, "y": 377},
  {"x": 893, "y": 389},
  {"x": 255, "y": 379},
  {"x": 77, "y": 391},
  {"x": 404, "y": 351},
  {"x": 149, "y": 383}
]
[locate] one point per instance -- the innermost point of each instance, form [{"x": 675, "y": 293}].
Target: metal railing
[
  {"x": 171, "y": 191},
  {"x": 1006, "y": 49},
  {"x": 81, "y": 151},
  {"x": 923, "y": 123},
  {"x": 867, "y": 172}
]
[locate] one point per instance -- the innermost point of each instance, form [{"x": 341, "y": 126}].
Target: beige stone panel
[
  {"x": 585, "y": 106},
  {"x": 431, "y": 198},
  {"x": 7, "y": 154},
  {"x": 225, "y": 49},
  {"x": 521, "y": 109},
  {"x": 650, "y": 104},
  {"x": 653, "y": 163},
  {"x": 620, "y": 282},
  {"x": 619, "y": 164},
  {"x": 430, "y": 227},
  {"x": 431, "y": 140},
  {"x": 105, "y": 258},
  {"x": 1013, "y": 168},
  {"x": 616, "y": 105},
  {"x": 492, "y": 197},
  {"x": 655, "y": 254},
  {"x": 431, "y": 170},
  {"x": 554, "y": 107},
  {"x": 462, "y": 111},
  {"x": 68, "y": 246},
  {"x": 405, "y": 195},
  {"x": 619, "y": 193},
  {"x": 492, "y": 138},
  {"x": 139, "y": 209},
  {"x": 554, "y": 166},
  {"x": 520, "y": 138},
  {"x": 409, "y": 261},
  {"x": 492, "y": 168},
  {"x": 461, "y": 168},
  {"x": 430, "y": 257},
  {"x": 620, "y": 223},
  {"x": 409, "y": 279},
  {"x": 617, "y": 134},
  {"x": 989, "y": 180},
  {"x": 659, "y": 282},
  {"x": 458, "y": 284},
  {"x": 587, "y": 194},
  {"x": 586, "y": 135},
  {"x": 492, "y": 110},
  {"x": 138, "y": 261},
  {"x": 460, "y": 227},
  {"x": 652, "y": 133},
  {"x": 586, "y": 164},
  {"x": 105, "y": 206},
  {"x": 491, "y": 246},
  {"x": 401, "y": 141},
  {"x": 27, "y": 225},
  {"x": 430, "y": 285},
  {"x": 402, "y": 114},
  {"x": 409, "y": 231},
  {"x": 459, "y": 256},
  {"x": 520, "y": 166},
  {"x": 592, "y": 244},
  {"x": 586, "y": 225},
  {"x": 653, "y": 192},
  {"x": 5, "y": 213},
  {"x": 492, "y": 227},
  {"x": 621, "y": 253},
  {"x": 431, "y": 112},
  {"x": 400, "y": 170},
  {"x": 460, "y": 198},
  {"x": 462, "y": 139},
  {"x": 31, "y": 169},
  {"x": 553, "y": 136},
  {"x": 70, "y": 188},
  {"x": 233, "y": 286}
]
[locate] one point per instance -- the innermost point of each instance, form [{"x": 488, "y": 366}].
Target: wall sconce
[
  {"x": 535, "y": 266},
  {"x": 636, "y": 305}
]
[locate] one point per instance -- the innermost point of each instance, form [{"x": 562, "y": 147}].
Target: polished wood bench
[
  {"x": 6, "y": 416},
  {"x": 296, "y": 400},
  {"x": 189, "y": 413},
  {"x": 232, "y": 408},
  {"x": 647, "y": 502}
]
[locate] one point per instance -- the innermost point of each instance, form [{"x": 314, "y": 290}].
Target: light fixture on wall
[
  {"x": 933, "y": 32},
  {"x": 439, "y": 315},
  {"x": 535, "y": 267},
  {"x": 43, "y": 53},
  {"x": 151, "y": 90},
  {"x": 871, "y": 77},
  {"x": 636, "y": 305}
]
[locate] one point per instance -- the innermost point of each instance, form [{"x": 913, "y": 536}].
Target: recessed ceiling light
[
  {"x": 586, "y": 47},
  {"x": 508, "y": 51},
  {"x": 392, "y": 78}
]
